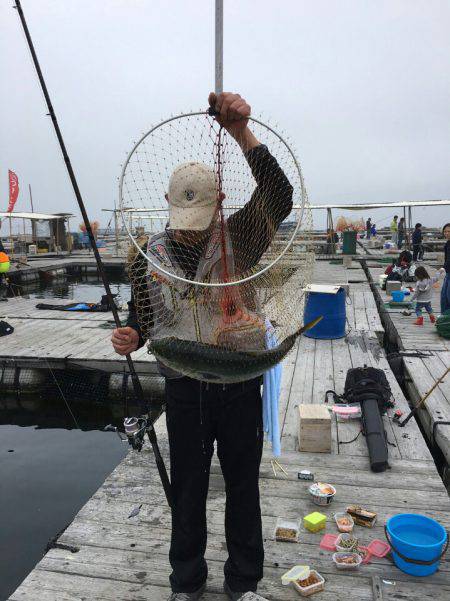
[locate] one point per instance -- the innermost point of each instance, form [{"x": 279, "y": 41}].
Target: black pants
[
  {"x": 418, "y": 251},
  {"x": 197, "y": 415}
]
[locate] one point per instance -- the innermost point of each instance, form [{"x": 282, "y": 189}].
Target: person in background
[
  {"x": 394, "y": 229},
  {"x": 401, "y": 233},
  {"x": 399, "y": 270},
  {"x": 373, "y": 230},
  {"x": 417, "y": 243},
  {"x": 445, "y": 290},
  {"x": 423, "y": 293},
  {"x": 368, "y": 228}
]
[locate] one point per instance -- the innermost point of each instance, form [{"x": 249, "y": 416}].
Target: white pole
[
  {"x": 116, "y": 230},
  {"x": 219, "y": 47}
]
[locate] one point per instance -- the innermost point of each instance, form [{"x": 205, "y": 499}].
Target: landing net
[{"x": 233, "y": 259}]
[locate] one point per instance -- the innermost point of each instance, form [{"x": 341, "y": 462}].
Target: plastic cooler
[{"x": 331, "y": 307}]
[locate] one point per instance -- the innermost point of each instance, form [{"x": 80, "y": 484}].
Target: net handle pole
[
  {"x": 219, "y": 47},
  {"x": 134, "y": 377}
]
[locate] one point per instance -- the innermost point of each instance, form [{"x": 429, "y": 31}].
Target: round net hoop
[{"x": 128, "y": 185}]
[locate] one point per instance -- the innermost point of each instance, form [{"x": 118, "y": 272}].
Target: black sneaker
[
  {"x": 241, "y": 596},
  {"x": 188, "y": 596}
]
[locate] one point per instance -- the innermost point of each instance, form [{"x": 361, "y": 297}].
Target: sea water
[{"x": 50, "y": 466}]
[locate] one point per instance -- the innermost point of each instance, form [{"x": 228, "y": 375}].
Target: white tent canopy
[
  {"x": 35, "y": 216},
  {"x": 350, "y": 206},
  {"x": 384, "y": 205}
]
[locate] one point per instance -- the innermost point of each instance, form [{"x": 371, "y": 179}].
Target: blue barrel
[
  {"x": 332, "y": 309},
  {"x": 417, "y": 543}
]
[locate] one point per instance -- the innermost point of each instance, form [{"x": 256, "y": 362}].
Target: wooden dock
[
  {"x": 426, "y": 356},
  {"x": 63, "y": 339},
  {"x": 127, "y": 558}
]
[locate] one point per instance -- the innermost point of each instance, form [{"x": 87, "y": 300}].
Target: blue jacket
[
  {"x": 447, "y": 256},
  {"x": 417, "y": 237}
]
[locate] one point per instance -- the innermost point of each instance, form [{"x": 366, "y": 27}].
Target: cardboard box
[{"x": 314, "y": 429}]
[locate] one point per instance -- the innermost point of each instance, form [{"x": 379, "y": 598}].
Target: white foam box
[
  {"x": 392, "y": 285},
  {"x": 314, "y": 431}
]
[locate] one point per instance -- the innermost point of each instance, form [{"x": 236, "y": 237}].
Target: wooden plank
[
  {"x": 422, "y": 372},
  {"x": 300, "y": 392}
]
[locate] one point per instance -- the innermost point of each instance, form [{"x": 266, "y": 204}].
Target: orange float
[{"x": 4, "y": 262}]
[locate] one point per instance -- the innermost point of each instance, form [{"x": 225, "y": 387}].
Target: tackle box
[{"x": 315, "y": 521}]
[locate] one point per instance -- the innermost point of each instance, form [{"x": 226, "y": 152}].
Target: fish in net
[{"x": 233, "y": 255}]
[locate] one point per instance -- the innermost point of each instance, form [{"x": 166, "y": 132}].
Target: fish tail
[{"x": 308, "y": 326}]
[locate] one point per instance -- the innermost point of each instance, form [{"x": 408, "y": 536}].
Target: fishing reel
[{"x": 135, "y": 429}]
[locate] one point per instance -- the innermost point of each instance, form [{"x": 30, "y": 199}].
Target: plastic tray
[
  {"x": 341, "y": 537},
  {"x": 347, "y": 566},
  {"x": 379, "y": 548},
  {"x": 288, "y": 525},
  {"x": 328, "y": 542},
  {"x": 295, "y": 573},
  {"x": 339, "y": 516},
  {"x": 367, "y": 557},
  {"x": 314, "y": 588}
]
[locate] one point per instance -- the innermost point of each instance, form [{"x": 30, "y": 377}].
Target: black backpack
[
  {"x": 369, "y": 387},
  {"x": 363, "y": 383}
]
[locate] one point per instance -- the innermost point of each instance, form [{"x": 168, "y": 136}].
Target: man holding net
[{"x": 200, "y": 414}]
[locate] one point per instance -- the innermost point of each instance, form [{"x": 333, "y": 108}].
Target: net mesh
[
  {"x": 84, "y": 397},
  {"x": 214, "y": 277}
]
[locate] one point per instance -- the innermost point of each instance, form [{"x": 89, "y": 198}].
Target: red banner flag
[{"x": 13, "y": 190}]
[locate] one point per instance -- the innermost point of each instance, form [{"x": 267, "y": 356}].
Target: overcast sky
[{"x": 361, "y": 86}]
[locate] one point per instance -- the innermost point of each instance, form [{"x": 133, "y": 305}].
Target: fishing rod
[
  {"x": 135, "y": 427},
  {"x": 423, "y": 399}
]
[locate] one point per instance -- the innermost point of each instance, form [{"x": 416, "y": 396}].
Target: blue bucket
[
  {"x": 331, "y": 307},
  {"x": 398, "y": 296},
  {"x": 418, "y": 543}
]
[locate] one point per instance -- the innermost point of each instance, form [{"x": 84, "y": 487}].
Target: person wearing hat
[{"x": 199, "y": 414}]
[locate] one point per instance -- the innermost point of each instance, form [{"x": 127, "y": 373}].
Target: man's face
[
  {"x": 191, "y": 237},
  {"x": 447, "y": 232}
]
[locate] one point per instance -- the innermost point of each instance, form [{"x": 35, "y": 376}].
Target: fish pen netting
[
  {"x": 95, "y": 386},
  {"x": 218, "y": 286}
]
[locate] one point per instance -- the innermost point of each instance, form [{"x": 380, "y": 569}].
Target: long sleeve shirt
[
  {"x": 269, "y": 205},
  {"x": 417, "y": 237},
  {"x": 447, "y": 256},
  {"x": 424, "y": 289}
]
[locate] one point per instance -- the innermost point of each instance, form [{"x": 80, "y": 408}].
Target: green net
[{"x": 443, "y": 324}]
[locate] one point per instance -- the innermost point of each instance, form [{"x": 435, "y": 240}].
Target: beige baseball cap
[{"x": 192, "y": 197}]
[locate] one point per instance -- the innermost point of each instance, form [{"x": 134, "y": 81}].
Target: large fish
[{"x": 211, "y": 363}]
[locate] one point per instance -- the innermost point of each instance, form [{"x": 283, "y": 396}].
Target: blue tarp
[{"x": 271, "y": 395}]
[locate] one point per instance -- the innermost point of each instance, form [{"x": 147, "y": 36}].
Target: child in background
[{"x": 423, "y": 293}]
